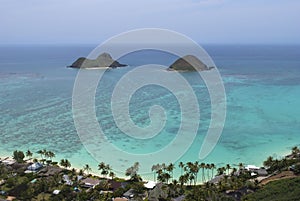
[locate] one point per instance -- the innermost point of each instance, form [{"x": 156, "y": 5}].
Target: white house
[{"x": 35, "y": 166}]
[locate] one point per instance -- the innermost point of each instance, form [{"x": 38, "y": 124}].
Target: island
[
  {"x": 189, "y": 63},
  {"x": 104, "y": 60}
]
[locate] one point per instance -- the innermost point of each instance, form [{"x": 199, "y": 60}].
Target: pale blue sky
[{"x": 93, "y": 21}]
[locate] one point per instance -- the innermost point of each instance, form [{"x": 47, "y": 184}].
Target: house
[
  {"x": 261, "y": 172},
  {"x": 90, "y": 182},
  {"x": 10, "y": 198},
  {"x": 3, "y": 192},
  {"x": 129, "y": 194},
  {"x": 8, "y": 161},
  {"x": 120, "y": 199},
  {"x": 114, "y": 185},
  {"x": 56, "y": 192},
  {"x": 67, "y": 180},
  {"x": 50, "y": 171},
  {"x": 2, "y": 181},
  {"x": 216, "y": 179},
  {"x": 150, "y": 185},
  {"x": 256, "y": 170},
  {"x": 238, "y": 194},
  {"x": 35, "y": 167},
  {"x": 251, "y": 167},
  {"x": 180, "y": 198}
]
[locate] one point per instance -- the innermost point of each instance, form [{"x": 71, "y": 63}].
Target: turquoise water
[{"x": 262, "y": 86}]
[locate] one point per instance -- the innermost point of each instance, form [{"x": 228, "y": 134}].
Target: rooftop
[{"x": 90, "y": 182}]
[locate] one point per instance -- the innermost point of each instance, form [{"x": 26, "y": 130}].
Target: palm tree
[
  {"x": 295, "y": 151},
  {"x": 269, "y": 162},
  {"x": 87, "y": 168},
  {"x": 184, "y": 179},
  {"x": 202, "y": 165},
  {"x": 41, "y": 152},
  {"x": 170, "y": 168},
  {"x": 73, "y": 171},
  {"x": 132, "y": 172},
  {"x": 234, "y": 170},
  {"x": 207, "y": 167},
  {"x": 161, "y": 176},
  {"x": 65, "y": 163},
  {"x": 166, "y": 176},
  {"x": 108, "y": 169},
  {"x": 212, "y": 166},
  {"x": 154, "y": 169},
  {"x": 51, "y": 154},
  {"x": 45, "y": 153},
  {"x": 105, "y": 168},
  {"x": 112, "y": 175},
  {"x": 29, "y": 153},
  {"x": 101, "y": 167},
  {"x": 159, "y": 173},
  {"x": 194, "y": 170},
  {"x": 220, "y": 170},
  {"x": 191, "y": 178},
  {"x": 181, "y": 166},
  {"x": 228, "y": 168},
  {"x": 241, "y": 166}
]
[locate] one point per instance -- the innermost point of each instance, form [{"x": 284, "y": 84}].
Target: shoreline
[{"x": 117, "y": 174}]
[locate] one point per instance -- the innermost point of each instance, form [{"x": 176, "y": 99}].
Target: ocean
[{"x": 262, "y": 84}]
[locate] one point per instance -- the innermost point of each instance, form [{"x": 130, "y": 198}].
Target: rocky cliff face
[{"x": 103, "y": 60}]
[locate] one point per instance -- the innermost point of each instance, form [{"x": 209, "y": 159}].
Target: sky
[{"x": 205, "y": 21}]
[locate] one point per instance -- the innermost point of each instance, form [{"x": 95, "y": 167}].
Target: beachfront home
[
  {"x": 50, "y": 171},
  {"x": 256, "y": 170},
  {"x": 90, "y": 182},
  {"x": 114, "y": 185},
  {"x": 35, "y": 167},
  {"x": 8, "y": 161},
  {"x": 251, "y": 167}
]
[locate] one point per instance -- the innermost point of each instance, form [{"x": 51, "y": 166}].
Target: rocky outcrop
[
  {"x": 189, "y": 63},
  {"x": 102, "y": 61}
]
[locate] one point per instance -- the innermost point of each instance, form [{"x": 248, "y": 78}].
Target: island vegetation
[
  {"x": 189, "y": 63},
  {"x": 36, "y": 176},
  {"x": 104, "y": 60}
]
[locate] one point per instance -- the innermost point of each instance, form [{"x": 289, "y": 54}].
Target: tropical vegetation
[{"x": 197, "y": 180}]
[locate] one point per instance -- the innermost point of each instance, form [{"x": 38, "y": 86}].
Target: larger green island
[
  {"x": 29, "y": 176},
  {"x": 104, "y": 60}
]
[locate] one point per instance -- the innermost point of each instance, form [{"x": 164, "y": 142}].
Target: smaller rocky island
[
  {"x": 189, "y": 63},
  {"x": 104, "y": 60}
]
